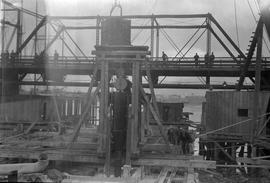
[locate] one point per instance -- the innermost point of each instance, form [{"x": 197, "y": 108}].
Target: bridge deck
[{"x": 221, "y": 67}]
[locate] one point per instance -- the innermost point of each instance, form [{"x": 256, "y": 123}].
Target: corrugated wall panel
[{"x": 221, "y": 109}]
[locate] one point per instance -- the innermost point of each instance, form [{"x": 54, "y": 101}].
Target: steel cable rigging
[{"x": 253, "y": 14}]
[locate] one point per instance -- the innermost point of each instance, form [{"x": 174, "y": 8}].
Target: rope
[
  {"x": 227, "y": 147},
  {"x": 144, "y": 22},
  {"x": 232, "y": 125},
  {"x": 140, "y": 31},
  {"x": 251, "y": 10},
  {"x": 236, "y": 23},
  {"x": 146, "y": 40},
  {"x": 257, "y": 5}
]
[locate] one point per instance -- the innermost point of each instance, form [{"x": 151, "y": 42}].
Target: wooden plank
[
  {"x": 191, "y": 178},
  {"x": 261, "y": 157},
  {"x": 105, "y": 140},
  {"x": 172, "y": 175},
  {"x": 156, "y": 147},
  {"x": 61, "y": 155},
  {"x": 84, "y": 113},
  {"x": 151, "y": 87},
  {"x": 170, "y": 157},
  {"x": 135, "y": 110},
  {"x": 254, "y": 161},
  {"x": 24, "y": 168},
  {"x": 163, "y": 175},
  {"x": 176, "y": 163},
  {"x": 131, "y": 16},
  {"x": 30, "y": 127},
  {"x": 244, "y": 166},
  {"x": 225, "y": 152},
  {"x": 163, "y": 134},
  {"x": 57, "y": 144}
]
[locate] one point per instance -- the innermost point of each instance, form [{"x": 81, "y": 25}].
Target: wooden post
[
  {"x": 13, "y": 176},
  {"x": 129, "y": 137},
  {"x": 135, "y": 104},
  {"x": 152, "y": 37},
  {"x": 256, "y": 102},
  {"x": 143, "y": 123},
  {"x": 151, "y": 86},
  {"x": 157, "y": 41},
  {"x": 216, "y": 151},
  {"x": 156, "y": 117},
  {"x": 97, "y": 31},
  {"x": 208, "y": 49},
  {"x": 224, "y": 151},
  {"x": 104, "y": 127}
]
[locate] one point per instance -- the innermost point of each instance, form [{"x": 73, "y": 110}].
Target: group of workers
[
  {"x": 8, "y": 57},
  {"x": 44, "y": 57},
  {"x": 209, "y": 59},
  {"x": 181, "y": 138}
]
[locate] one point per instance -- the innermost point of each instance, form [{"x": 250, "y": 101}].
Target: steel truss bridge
[
  {"x": 81, "y": 64},
  {"x": 187, "y": 67}
]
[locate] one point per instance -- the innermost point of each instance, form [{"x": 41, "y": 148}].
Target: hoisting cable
[
  {"x": 140, "y": 31},
  {"x": 144, "y": 22},
  {"x": 257, "y": 5},
  {"x": 232, "y": 125},
  {"x": 251, "y": 11},
  {"x": 259, "y": 11},
  {"x": 146, "y": 40},
  {"x": 236, "y": 23}
]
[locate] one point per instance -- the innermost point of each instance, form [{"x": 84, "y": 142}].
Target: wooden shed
[
  {"x": 169, "y": 112},
  {"x": 42, "y": 108},
  {"x": 224, "y": 108}
]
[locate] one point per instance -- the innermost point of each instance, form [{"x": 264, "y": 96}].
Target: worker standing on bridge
[
  {"x": 206, "y": 59},
  {"x": 55, "y": 56},
  {"x": 6, "y": 57},
  {"x": 12, "y": 57},
  {"x": 196, "y": 59},
  {"x": 164, "y": 56},
  {"x": 212, "y": 58}
]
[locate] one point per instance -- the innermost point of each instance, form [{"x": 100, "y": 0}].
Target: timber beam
[
  {"x": 143, "y": 27},
  {"x": 129, "y": 17},
  {"x": 176, "y": 163},
  {"x": 250, "y": 54}
]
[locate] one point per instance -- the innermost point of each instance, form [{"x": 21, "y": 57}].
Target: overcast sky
[{"x": 223, "y": 10}]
